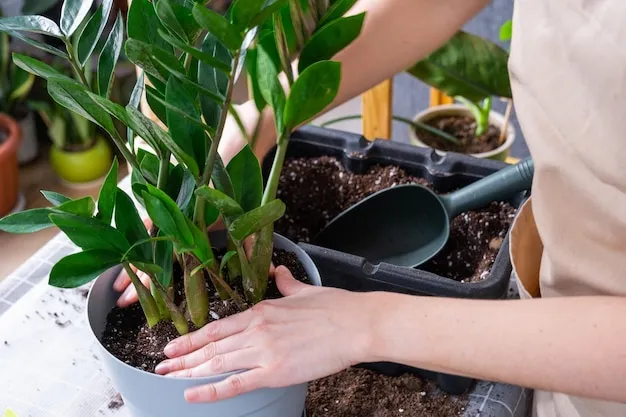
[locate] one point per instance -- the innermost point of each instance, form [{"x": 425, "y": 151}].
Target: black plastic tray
[{"x": 446, "y": 172}]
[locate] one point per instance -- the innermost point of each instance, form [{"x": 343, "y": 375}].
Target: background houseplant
[
  {"x": 474, "y": 71},
  {"x": 15, "y": 85},
  {"x": 192, "y": 57}
]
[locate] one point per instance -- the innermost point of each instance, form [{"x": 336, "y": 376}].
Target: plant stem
[
  {"x": 148, "y": 305},
  {"x": 257, "y": 131},
  {"x": 75, "y": 64},
  {"x": 164, "y": 170},
  {"x": 199, "y": 209},
  {"x": 179, "y": 320},
  {"x": 277, "y": 166},
  {"x": 507, "y": 118},
  {"x": 216, "y": 278},
  {"x": 160, "y": 301},
  {"x": 195, "y": 291}
]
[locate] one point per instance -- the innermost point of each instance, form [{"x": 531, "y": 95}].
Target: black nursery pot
[{"x": 354, "y": 273}]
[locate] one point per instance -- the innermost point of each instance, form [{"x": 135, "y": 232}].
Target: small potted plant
[
  {"x": 79, "y": 155},
  {"x": 192, "y": 57},
  {"x": 474, "y": 71}
]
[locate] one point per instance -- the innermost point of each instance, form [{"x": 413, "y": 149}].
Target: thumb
[{"x": 286, "y": 283}]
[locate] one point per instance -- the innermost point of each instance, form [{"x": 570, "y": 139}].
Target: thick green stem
[
  {"x": 164, "y": 171},
  {"x": 159, "y": 298},
  {"x": 199, "y": 209},
  {"x": 234, "y": 264},
  {"x": 277, "y": 166},
  {"x": 146, "y": 300},
  {"x": 221, "y": 285},
  {"x": 178, "y": 318},
  {"x": 196, "y": 292},
  {"x": 75, "y": 65},
  {"x": 255, "y": 279}
]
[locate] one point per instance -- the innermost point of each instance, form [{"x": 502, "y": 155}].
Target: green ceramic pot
[{"x": 82, "y": 168}]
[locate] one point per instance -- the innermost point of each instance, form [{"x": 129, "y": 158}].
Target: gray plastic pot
[{"x": 150, "y": 395}]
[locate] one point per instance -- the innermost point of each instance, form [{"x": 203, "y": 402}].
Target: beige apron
[{"x": 568, "y": 71}]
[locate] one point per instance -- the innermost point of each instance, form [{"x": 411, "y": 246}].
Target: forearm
[
  {"x": 555, "y": 344},
  {"x": 395, "y": 34}
]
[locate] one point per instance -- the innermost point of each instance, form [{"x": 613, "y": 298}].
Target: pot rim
[
  {"x": 203, "y": 379},
  {"x": 13, "y": 133},
  {"x": 495, "y": 118}
]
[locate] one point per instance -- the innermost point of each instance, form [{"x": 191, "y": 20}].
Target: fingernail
[
  {"x": 191, "y": 395},
  {"x": 162, "y": 368},
  {"x": 171, "y": 349}
]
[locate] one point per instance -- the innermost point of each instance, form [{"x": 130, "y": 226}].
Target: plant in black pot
[{"x": 192, "y": 57}]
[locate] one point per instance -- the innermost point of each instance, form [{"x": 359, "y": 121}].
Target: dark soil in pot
[
  {"x": 463, "y": 128},
  {"x": 362, "y": 393},
  {"x": 317, "y": 189},
  {"x": 128, "y": 337}
]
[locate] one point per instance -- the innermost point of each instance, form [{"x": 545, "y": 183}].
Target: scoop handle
[{"x": 498, "y": 186}]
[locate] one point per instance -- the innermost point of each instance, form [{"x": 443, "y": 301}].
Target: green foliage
[{"x": 190, "y": 58}]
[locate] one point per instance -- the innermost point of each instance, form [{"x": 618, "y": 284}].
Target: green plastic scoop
[{"x": 407, "y": 225}]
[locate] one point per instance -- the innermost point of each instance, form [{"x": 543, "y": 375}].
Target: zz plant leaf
[
  {"x": 255, "y": 220},
  {"x": 90, "y": 233},
  {"x": 107, "y": 196},
  {"x": 34, "y": 220},
  {"x": 72, "y": 14},
  {"x": 216, "y": 24},
  {"x": 312, "y": 92},
  {"x": 270, "y": 87},
  {"x": 109, "y": 56},
  {"x": 55, "y": 198},
  {"x": 82, "y": 267},
  {"x": 245, "y": 175},
  {"x": 90, "y": 35}
]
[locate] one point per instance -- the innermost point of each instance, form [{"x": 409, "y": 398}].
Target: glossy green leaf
[
  {"x": 82, "y": 267},
  {"x": 138, "y": 185},
  {"x": 37, "y": 44},
  {"x": 167, "y": 215},
  {"x": 221, "y": 178},
  {"x": 90, "y": 233},
  {"x": 267, "y": 12},
  {"x": 72, "y": 14},
  {"x": 312, "y": 92},
  {"x": 191, "y": 138},
  {"x": 467, "y": 66},
  {"x": 37, "y": 67},
  {"x": 178, "y": 19},
  {"x": 129, "y": 223},
  {"x": 337, "y": 10},
  {"x": 270, "y": 87},
  {"x": 150, "y": 169},
  {"x": 204, "y": 57},
  {"x": 253, "y": 82},
  {"x": 109, "y": 56},
  {"x": 134, "y": 101},
  {"x": 164, "y": 256},
  {"x": 144, "y": 24},
  {"x": 225, "y": 259},
  {"x": 162, "y": 137},
  {"x": 159, "y": 105},
  {"x": 245, "y": 175},
  {"x": 144, "y": 56},
  {"x": 75, "y": 97},
  {"x": 330, "y": 39},
  {"x": 185, "y": 191},
  {"x": 213, "y": 79},
  {"x": 89, "y": 37},
  {"x": 107, "y": 195},
  {"x": 32, "y": 24},
  {"x": 55, "y": 198},
  {"x": 242, "y": 12},
  {"x": 226, "y": 205},
  {"x": 218, "y": 26},
  {"x": 34, "y": 220},
  {"x": 255, "y": 220},
  {"x": 201, "y": 248}
]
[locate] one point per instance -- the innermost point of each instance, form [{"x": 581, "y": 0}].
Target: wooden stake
[
  {"x": 505, "y": 126},
  {"x": 377, "y": 111}
]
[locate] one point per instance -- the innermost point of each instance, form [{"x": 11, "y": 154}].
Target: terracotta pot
[
  {"x": 495, "y": 118},
  {"x": 9, "y": 172}
]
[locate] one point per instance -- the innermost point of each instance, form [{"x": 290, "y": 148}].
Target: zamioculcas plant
[{"x": 191, "y": 57}]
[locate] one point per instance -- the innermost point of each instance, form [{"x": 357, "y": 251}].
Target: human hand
[{"x": 310, "y": 333}]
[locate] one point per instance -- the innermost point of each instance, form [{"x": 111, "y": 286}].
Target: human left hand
[{"x": 310, "y": 333}]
